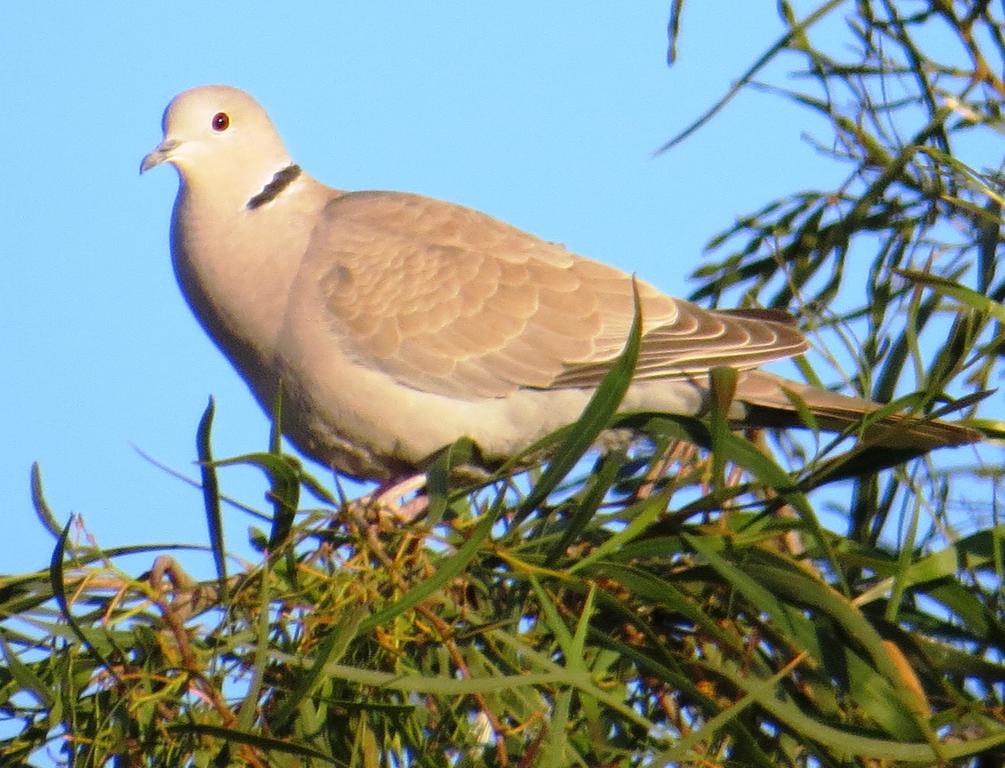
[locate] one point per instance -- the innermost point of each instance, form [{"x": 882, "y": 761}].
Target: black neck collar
[{"x": 275, "y": 188}]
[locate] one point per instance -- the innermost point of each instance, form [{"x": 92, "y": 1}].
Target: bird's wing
[{"x": 448, "y": 300}]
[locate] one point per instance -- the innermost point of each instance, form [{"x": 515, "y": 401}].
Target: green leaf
[
  {"x": 249, "y": 706},
  {"x": 967, "y": 296},
  {"x": 211, "y": 498},
  {"x": 330, "y": 651},
  {"x": 42, "y": 509},
  {"x": 595, "y": 417},
  {"x": 57, "y": 580},
  {"x": 257, "y": 740},
  {"x": 284, "y": 479},
  {"x": 587, "y": 504},
  {"x": 25, "y": 678},
  {"x": 438, "y": 474},
  {"x": 448, "y": 569}
]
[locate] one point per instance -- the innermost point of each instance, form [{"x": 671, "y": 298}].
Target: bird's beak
[{"x": 161, "y": 154}]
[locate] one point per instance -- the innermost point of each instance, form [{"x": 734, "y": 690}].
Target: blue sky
[{"x": 543, "y": 114}]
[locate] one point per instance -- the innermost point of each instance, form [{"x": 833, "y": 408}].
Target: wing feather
[{"x": 451, "y": 301}]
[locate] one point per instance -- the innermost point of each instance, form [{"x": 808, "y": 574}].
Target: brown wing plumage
[{"x": 448, "y": 300}]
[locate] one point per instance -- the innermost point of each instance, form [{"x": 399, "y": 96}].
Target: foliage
[{"x": 678, "y": 604}]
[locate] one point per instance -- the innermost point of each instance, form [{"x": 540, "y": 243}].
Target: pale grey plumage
[{"x": 399, "y": 323}]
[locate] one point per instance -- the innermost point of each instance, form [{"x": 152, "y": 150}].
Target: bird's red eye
[{"x": 221, "y": 121}]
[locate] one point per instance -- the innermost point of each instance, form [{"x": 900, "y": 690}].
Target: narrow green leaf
[
  {"x": 595, "y": 417},
  {"x": 907, "y": 546},
  {"x": 265, "y": 743},
  {"x": 211, "y": 498},
  {"x": 448, "y": 569},
  {"x": 746, "y": 455},
  {"x": 26, "y": 679},
  {"x": 795, "y": 31},
  {"x": 876, "y": 696},
  {"x": 722, "y": 389},
  {"x": 330, "y": 651},
  {"x": 455, "y": 686},
  {"x": 799, "y": 587},
  {"x": 971, "y": 298},
  {"x": 647, "y": 586},
  {"x": 581, "y": 680},
  {"x": 578, "y": 646},
  {"x": 249, "y": 706},
  {"x": 970, "y": 553},
  {"x": 438, "y": 473},
  {"x": 974, "y": 179},
  {"x": 681, "y": 751},
  {"x": 844, "y": 744},
  {"x": 597, "y": 486},
  {"x": 764, "y": 599},
  {"x": 41, "y": 506},
  {"x": 276, "y": 427},
  {"x": 284, "y": 477},
  {"x": 648, "y": 510},
  {"x": 57, "y": 580},
  {"x": 550, "y": 615},
  {"x": 558, "y": 744}
]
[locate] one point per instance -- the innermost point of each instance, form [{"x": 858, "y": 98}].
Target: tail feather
[{"x": 768, "y": 405}]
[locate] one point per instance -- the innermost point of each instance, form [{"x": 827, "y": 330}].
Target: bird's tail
[{"x": 769, "y": 405}]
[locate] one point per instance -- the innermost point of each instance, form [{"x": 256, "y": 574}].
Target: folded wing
[{"x": 451, "y": 301}]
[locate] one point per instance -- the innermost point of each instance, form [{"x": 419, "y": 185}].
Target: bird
[{"x": 398, "y": 324}]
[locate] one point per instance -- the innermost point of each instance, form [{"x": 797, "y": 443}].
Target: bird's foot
[{"x": 389, "y": 503}]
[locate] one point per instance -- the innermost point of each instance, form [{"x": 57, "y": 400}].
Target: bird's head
[{"x": 217, "y": 132}]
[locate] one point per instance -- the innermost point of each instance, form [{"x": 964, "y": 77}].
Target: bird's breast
[{"x": 235, "y": 268}]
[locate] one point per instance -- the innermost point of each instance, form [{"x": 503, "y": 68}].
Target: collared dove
[{"x": 398, "y": 323}]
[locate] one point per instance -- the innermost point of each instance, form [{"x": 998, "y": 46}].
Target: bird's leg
[{"x": 387, "y": 498}]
